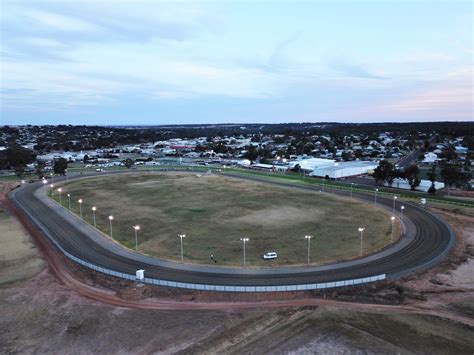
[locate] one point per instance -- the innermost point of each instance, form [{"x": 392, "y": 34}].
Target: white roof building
[
  {"x": 430, "y": 158},
  {"x": 345, "y": 169},
  {"x": 424, "y": 185},
  {"x": 311, "y": 163}
]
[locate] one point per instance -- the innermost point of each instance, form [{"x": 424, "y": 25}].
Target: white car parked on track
[{"x": 269, "y": 255}]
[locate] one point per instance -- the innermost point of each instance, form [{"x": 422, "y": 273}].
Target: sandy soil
[
  {"x": 19, "y": 258},
  {"x": 41, "y": 315}
]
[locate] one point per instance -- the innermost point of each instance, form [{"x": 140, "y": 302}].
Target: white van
[{"x": 269, "y": 255}]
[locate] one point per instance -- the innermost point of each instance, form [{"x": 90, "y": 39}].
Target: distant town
[{"x": 414, "y": 156}]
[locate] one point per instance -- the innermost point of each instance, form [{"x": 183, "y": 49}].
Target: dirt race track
[{"x": 427, "y": 238}]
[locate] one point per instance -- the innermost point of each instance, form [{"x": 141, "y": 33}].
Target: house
[{"x": 430, "y": 158}]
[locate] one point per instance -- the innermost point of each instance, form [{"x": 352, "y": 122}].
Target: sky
[{"x": 147, "y": 62}]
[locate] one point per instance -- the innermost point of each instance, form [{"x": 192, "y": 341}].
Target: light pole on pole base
[
  {"x": 361, "y": 230},
  {"x": 80, "y": 207},
  {"x": 393, "y": 222},
  {"x": 181, "y": 236},
  {"x": 111, "y": 218},
  {"x": 244, "y": 240},
  {"x": 394, "y": 200},
  {"x": 309, "y": 237},
  {"x": 93, "y": 214},
  {"x": 136, "y": 228}
]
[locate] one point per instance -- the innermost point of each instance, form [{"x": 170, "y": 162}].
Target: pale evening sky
[{"x": 155, "y": 62}]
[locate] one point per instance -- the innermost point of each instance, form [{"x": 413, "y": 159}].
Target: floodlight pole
[
  {"x": 69, "y": 201},
  {"x": 60, "y": 190},
  {"x": 93, "y": 214},
  {"x": 375, "y": 197},
  {"x": 80, "y": 207},
  {"x": 352, "y": 185},
  {"x": 244, "y": 240},
  {"x": 361, "y": 230},
  {"x": 136, "y": 228},
  {"x": 393, "y": 222},
  {"x": 401, "y": 212},
  {"x": 393, "y": 208},
  {"x": 181, "y": 236},
  {"x": 110, "y": 223},
  {"x": 308, "y": 237}
]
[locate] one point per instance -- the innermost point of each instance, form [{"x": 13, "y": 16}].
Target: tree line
[{"x": 452, "y": 175}]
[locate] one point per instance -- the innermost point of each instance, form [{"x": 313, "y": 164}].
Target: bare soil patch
[{"x": 19, "y": 257}]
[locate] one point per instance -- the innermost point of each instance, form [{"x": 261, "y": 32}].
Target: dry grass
[
  {"x": 215, "y": 212},
  {"x": 19, "y": 258}
]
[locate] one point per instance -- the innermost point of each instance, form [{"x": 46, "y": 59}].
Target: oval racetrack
[{"x": 426, "y": 239}]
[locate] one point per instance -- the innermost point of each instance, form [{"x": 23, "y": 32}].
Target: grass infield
[{"x": 216, "y": 211}]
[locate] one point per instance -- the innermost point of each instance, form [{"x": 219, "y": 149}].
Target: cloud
[
  {"x": 345, "y": 68},
  {"x": 60, "y": 22},
  {"x": 275, "y": 59},
  {"x": 448, "y": 98}
]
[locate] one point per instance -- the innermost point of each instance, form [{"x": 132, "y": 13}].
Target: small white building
[
  {"x": 269, "y": 167},
  {"x": 424, "y": 185},
  {"x": 430, "y": 158}
]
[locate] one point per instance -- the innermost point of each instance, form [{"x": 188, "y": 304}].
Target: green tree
[
  {"x": 251, "y": 153},
  {"x": 432, "y": 174},
  {"x": 16, "y": 157},
  {"x": 432, "y": 189},
  {"x": 40, "y": 168},
  {"x": 412, "y": 175},
  {"x": 128, "y": 163},
  {"x": 454, "y": 175},
  {"x": 449, "y": 173},
  {"x": 297, "y": 168},
  {"x": 432, "y": 177},
  {"x": 60, "y": 166},
  {"x": 19, "y": 170},
  {"x": 384, "y": 173}
]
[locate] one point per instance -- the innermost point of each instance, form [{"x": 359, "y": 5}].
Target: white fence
[{"x": 226, "y": 288}]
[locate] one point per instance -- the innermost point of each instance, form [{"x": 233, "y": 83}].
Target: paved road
[{"x": 426, "y": 239}]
